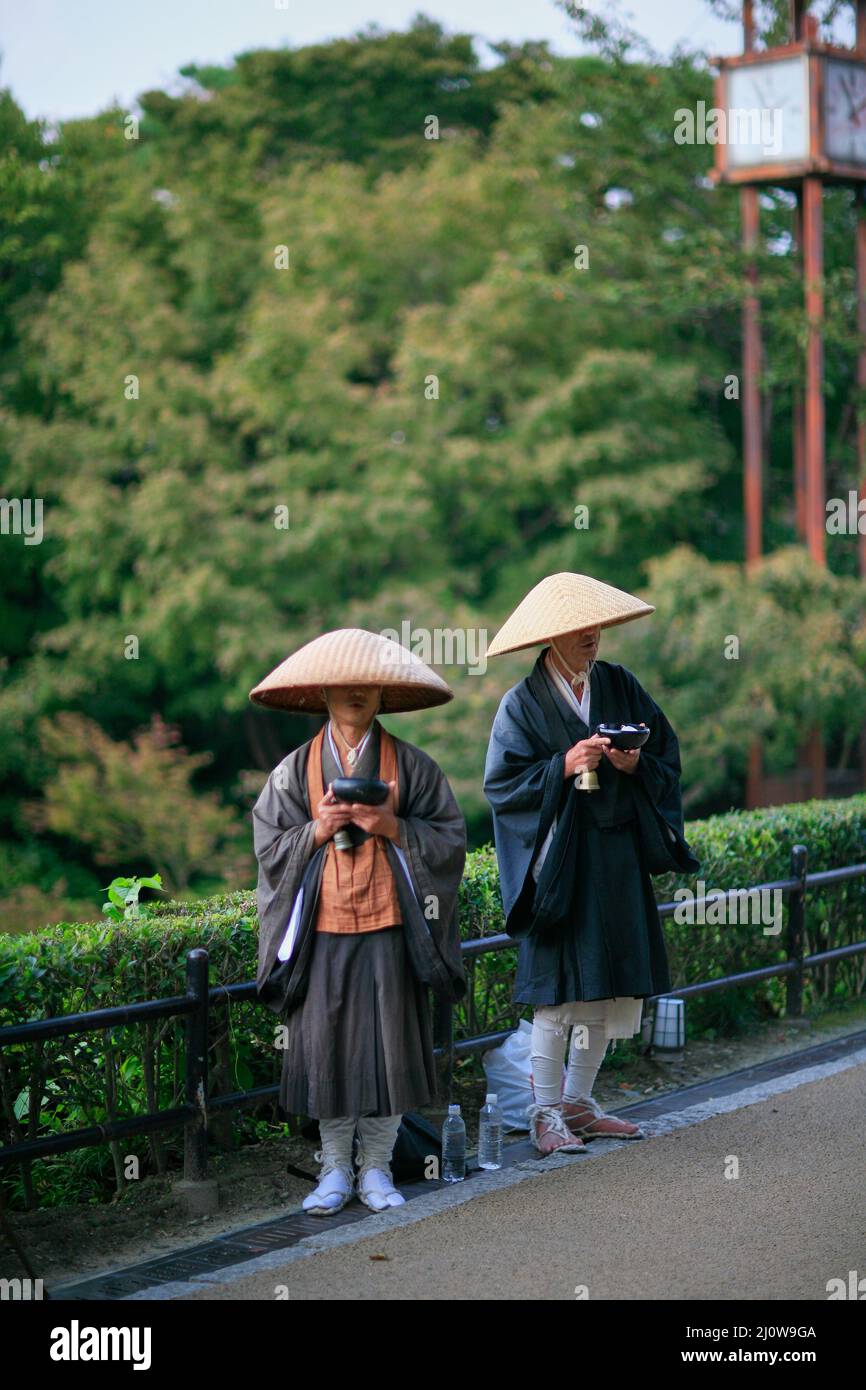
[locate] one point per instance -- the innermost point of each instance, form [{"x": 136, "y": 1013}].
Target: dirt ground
[{"x": 70, "y": 1243}]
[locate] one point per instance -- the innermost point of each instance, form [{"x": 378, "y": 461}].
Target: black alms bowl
[
  {"x": 367, "y": 791},
  {"x": 624, "y": 736}
]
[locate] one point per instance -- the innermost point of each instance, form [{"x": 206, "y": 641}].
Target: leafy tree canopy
[{"x": 282, "y": 363}]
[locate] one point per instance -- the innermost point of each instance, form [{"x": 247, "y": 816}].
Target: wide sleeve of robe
[
  {"x": 657, "y": 776},
  {"x": 523, "y": 782},
  {"x": 433, "y": 840},
  {"x": 284, "y": 841}
]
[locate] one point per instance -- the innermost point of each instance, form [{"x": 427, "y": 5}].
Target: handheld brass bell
[{"x": 586, "y": 781}]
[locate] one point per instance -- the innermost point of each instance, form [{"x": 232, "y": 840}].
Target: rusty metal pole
[
  {"x": 813, "y": 274},
  {"x": 813, "y": 268},
  {"x": 752, "y": 442},
  {"x": 751, "y": 397},
  {"x": 798, "y": 421},
  {"x": 797, "y": 9}
]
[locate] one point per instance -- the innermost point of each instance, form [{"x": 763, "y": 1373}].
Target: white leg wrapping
[
  {"x": 337, "y": 1136},
  {"x": 336, "y": 1180},
  {"x": 377, "y": 1135},
  {"x": 586, "y": 1054},
  {"x": 547, "y": 1048}
]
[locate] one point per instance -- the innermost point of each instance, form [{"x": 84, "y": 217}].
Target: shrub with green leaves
[
  {"x": 61, "y": 1084},
  {"x": 123, "y": 895}
]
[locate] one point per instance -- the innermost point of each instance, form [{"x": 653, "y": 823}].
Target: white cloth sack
[{"x": 508, "y": 1068}]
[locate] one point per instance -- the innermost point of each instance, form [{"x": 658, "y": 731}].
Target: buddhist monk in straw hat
[
  {"x": 580, "y": 825},
  {"x": 357, "y": 906}
]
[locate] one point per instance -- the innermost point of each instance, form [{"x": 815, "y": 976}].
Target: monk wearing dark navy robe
[{"x": 574, "y": 863}]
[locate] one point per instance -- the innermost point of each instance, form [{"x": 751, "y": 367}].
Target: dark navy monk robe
[{"x": 589, "y": 928}]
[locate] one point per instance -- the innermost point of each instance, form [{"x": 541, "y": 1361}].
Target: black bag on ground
[{"x": 417, "y": 1142}]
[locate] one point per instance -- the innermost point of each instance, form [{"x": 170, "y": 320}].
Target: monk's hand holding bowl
[
  {"x": 585, "y": 756},
  {"x": 331, "y": 815},
  {"x": 624, "y": 760},
  {"x": 377, "y": 820}
]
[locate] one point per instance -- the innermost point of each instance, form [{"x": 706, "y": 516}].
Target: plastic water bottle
[
  {"x": 453, "y": 1146},
  {"x": 490, "y": 1133}
]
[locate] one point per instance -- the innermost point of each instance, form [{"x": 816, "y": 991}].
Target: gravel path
[{"x": 650, "y": 1219}]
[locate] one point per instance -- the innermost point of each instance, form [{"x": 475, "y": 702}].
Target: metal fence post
[
  {"x": 443, "y": 1036},
  {"x": 195, "y": 1130},
  {"x": 796, "y": 921}
]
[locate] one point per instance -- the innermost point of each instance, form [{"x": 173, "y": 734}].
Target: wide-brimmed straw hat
[
  {"x": 352, "y": 656},
  {"x": 565, "y": 603}
]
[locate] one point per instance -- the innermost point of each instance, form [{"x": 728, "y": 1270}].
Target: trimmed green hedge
[{"x": 74, "y": 967}]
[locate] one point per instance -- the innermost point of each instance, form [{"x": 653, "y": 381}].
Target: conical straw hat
[
  {"x": 351, "y": 656},
  {"x": 565, "y": 603}
]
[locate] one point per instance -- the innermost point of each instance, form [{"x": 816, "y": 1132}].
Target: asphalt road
[{"x": 656, "y": 1218}]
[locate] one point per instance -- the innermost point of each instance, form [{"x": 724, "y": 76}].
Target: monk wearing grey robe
[{"x": 351, "y": 939}]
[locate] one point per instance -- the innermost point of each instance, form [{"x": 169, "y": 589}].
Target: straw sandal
[
  {"x": 589, "y": 1120},
  {"x": 549, "y": 1133}
]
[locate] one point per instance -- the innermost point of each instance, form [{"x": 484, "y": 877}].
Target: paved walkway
[{"x": 649, "y": 1219}]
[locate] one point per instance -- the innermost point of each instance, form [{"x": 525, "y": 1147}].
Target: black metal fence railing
[{"x": 196, "y": 1003}]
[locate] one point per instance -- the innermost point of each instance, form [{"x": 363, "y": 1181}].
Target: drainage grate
[
  {"x": 285, "y": 1231},
  {"x": 230, "y": 1249},
  {"x": 785, "y": 1065}
]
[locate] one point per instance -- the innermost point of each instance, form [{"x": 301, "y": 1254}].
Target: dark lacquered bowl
[
  {"x": 367, "y": 791},
  {"x": 623, "y": 736}
]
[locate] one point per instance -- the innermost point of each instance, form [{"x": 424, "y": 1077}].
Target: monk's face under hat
[
  {"x": 578, "y": 647},
  {"x": 353, "y": 704}
]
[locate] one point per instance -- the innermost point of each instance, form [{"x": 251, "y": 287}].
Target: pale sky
[{"x": 66, "y": 58}]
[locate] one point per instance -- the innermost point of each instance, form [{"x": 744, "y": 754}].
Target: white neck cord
[
  {"x": 580, "y": 676},
  {"x": 357, "y": 750}
]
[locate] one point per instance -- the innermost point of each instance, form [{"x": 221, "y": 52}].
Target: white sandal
[
  {"x": 336, "y": 1188},
  {"x": 377, "y": 1191}
]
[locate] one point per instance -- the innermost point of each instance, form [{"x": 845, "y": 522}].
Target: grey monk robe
[
  {"x": 433, "y": 840},
  {"x": 589, "y": 928}
]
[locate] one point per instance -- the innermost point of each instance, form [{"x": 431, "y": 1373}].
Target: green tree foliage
[
  {"x": 362, "y": 99},
  {"x": 465, "y": 341},
  {"x": 133, "y": 800},
  {"x": 794, "y": 642}
]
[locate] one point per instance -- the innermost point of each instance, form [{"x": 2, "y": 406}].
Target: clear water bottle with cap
[
  {"x": 490, "y": 1133},
  {"x": 454, "y": 1146}
]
